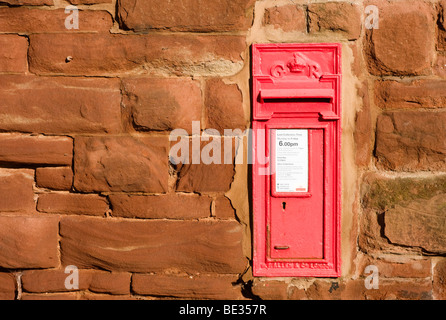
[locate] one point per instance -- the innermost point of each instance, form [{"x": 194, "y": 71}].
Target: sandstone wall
[{"x": 85, "y": 118}]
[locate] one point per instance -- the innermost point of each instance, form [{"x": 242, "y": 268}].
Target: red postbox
[{"x": 296, "y": 159}]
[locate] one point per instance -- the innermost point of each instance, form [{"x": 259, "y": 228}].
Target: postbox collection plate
[{"x": 296, "y": 185}]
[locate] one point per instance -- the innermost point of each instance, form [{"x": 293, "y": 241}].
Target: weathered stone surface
[
  {"x": 442, "y": 13},
  {"x": 179, "y": 54},
  {"x": 355, "y": 290},
  {"x": 344, "y": 289},
  {"x": 409, "y": 95},
  {"x": 76, "y": 2},
  {"x": 289, "y": 17},
  {"x": 224, "y": 106},
  {"x": 440, "y": 280},
  {"x": 106, "y": 297},
  {"x": 420, "y": 223},
  {"x": 51, "y": 296},
  {"x": 412, "y": 140},
  {"x": 72, "y": 203},
  {"x": 397, "y": 48},
  {"x": 440, "y": 65},
  {"x": 442, "y": 25},
  {"x": 223, "y": 208},
  {"x": 163, "y": 104},
  {"x": 398, "y": 267},
  {"x": 29, "y": 2},
  {"x": 7, "y": 286},
  {"x": 28, "y": 242},
  {"x": 211, "y": 174},
  {"x": 270, "y": 289},
  {"x": 130, "y": 164},
  {"x": 25, "y": 20},
  {"x": 205, "y": 178},
  {"x": 16, "y": 190},
  {"x": 35, "y": 150},
  {"x": 218, "y": 287},
  {"x": 340, "y": 17},
  {"x": 380, "y": 192},
  {"x": 56, "y": 178},
  {"x": 59, "y": 105},
  {"x": 370, "y": 237},
  {"x": 363, "y": 129},
  {"x": 152, "y": 246},
  {"x": 116, "y": 283},
  {"x": 50, "y": 281},
  {"x": 169, "y": 206},
  {"x": 185, "y": 15},
  {"x": 13, "y": 52}
]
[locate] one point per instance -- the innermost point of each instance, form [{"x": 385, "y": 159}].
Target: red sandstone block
[
  {"x": 50, "y": 281},
  {"x": 169, "y": 206},
  {"x": 223, "y": 208},
  {"x": 124, "y": 163},
  {"x": 153, "y": 245},
  {"x": 411, "y": 140},
  {"x": 13, "y": 53},
  {"x": 29, "y": 2},
  {"x": 418, "y": 223},
  {"x": 72, "y": 203},
  {"x": 396, "y": 48},
  {"x": 389, "y": 289},
  {"x": 16, "y": 191},
  {"x": 186, "y": 15},
  {"x": 289, "y": 17},
  {"x": 56, "y": 178},
  {"x": 224, "y": 106},
  {"x": 25, "y": 20},
  {"x": 400, "y": 267},
  {"x": 214, "y": 170},
  {"x": 410, "y": 95},
  {"x": 87, "y": 2},
  {"x": 440, "y": 280},
  {"x": 59, "y": 105},
  {"x": 163, "y": 104},
  {"x": 29, "y": 242},
  {"x": 41, "y": 150},
  {"x": 270, "y": 289},
  {"x": 111, "y": 54},
  {"x": 218, "y": 287},
  {"x": 342, "y": 17},
  {"x": 7, "y": 286},
  {"x": 441, "y": 25},
  {"x": 51, "y": 296}
]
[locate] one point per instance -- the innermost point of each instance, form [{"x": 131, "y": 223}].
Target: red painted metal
[{"x": 297, "y": 87}]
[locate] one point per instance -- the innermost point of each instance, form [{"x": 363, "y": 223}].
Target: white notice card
[{"x": 291, "y": 160}]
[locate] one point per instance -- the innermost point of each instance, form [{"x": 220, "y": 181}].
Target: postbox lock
[{"x": 296, "y": 195}]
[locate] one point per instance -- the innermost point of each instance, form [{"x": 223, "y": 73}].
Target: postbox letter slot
[{"x": 326, "y": 94}]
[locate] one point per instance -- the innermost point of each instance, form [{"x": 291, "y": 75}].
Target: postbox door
[{"x": 296, "y": 217}]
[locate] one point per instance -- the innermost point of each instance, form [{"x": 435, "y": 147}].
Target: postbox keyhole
[{"x": 284, "y": 206}]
